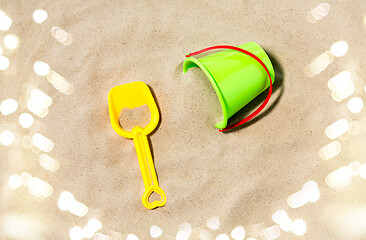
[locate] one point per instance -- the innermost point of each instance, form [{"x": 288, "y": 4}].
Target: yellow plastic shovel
[{"x": 133, "y": 95}]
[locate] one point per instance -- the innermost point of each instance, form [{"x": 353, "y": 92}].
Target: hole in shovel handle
[{"x": 154, "y": 204}]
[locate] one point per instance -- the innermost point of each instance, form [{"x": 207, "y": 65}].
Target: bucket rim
[{"x": 186, "y": 66}]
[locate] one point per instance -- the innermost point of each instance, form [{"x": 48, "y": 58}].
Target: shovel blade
[{"x": 131, "y": 95}]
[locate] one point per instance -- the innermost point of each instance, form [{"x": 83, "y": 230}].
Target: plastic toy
[
  {"x": 238, "y": 75},
  {"x": 134, "y": 95}
]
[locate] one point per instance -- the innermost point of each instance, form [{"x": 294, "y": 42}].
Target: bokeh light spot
[
  {"x": 339, "y": 178},
  {"x": 26, "y": 177},
  {"x": 222, "y": 236},
  {"x": 48, "y": 162},
  {"x": 298, "y": 227},
  {"x": 337, "y": 128},
  {"x": 355, "y": 167},
  {"x": 7, "y": 138},
  {"x": 186, "y": 227},
  {"x": 363, "y": 171},
  {"x": 279, "y": 216},
  {"x": 65, "y": 200},
  {"x": 40, "y": 15},
  {"x": 155, "y": 231},
  {"x": 213, "y": 223},
  {"x": 339, "y": 49},
  {"x": 14, "y": 182},
  {"x": 26, "y": 120},
  {"x": 94, "y": 224},
  {"x": 355, "y": 104},
  {"x": 132, "y": 237},
  {"x": 8, "y": 106},
  {"x": 41, "y": 68},
  {"x": 311, "y": 191},
  {"x": 11, "y": 41},
  {"x": 5, "y": 22},
  {"x": 286, "y": 225},
  {"x": 181, "y": 235},
  {"x": 238, "y": 233},
  {"x": 270, "y": 233},
  {"x": 39, "y": 188},
  {"x": 99, "y": 236},
  {"x": 76, "y": 233},
  {"x": 4, "y": 63},
  {"x": 42, "y": 142},
  {"x": 330, "y": 150}
]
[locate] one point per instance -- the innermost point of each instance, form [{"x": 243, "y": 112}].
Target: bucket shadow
[
  {"x": 252, "y": 105},
  {"x": 178, "y": 71}
]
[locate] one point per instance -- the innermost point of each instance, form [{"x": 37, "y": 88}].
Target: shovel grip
[{"x": 147, "y": 170}]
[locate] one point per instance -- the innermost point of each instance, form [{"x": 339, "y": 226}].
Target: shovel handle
[{"x": 147, "y": 170}]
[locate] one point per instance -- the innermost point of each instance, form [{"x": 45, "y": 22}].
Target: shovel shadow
[{"x": 156, "y": 128}]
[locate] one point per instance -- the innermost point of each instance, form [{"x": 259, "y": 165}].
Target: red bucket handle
[{"x": 261, "y": 107}]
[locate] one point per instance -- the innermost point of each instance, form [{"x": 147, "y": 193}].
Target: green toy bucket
[{"x": 236, "y": 77}]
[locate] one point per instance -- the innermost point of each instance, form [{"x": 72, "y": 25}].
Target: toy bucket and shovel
[{"x": 236, "y": 77}]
